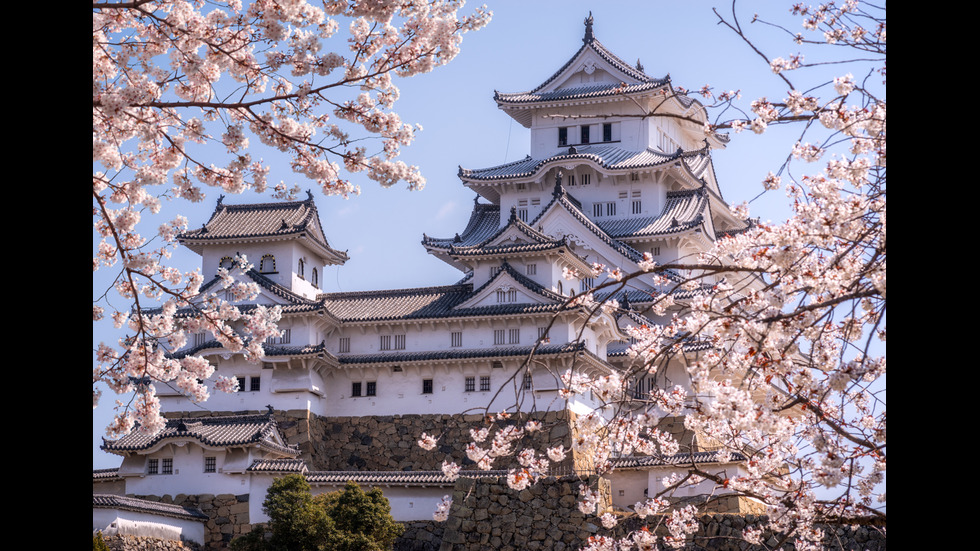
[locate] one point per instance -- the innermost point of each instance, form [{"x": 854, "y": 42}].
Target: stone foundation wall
[
  {"x": 487, "y": 514},
  {"x": 389, "y": 443},
  {"x": 420, "y": 536},
  {"x": 139, "y": 543},
  {"x": 228, "y": 515}
]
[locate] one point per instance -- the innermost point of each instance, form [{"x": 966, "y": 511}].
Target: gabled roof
[
  {"x": 640, "y": 461},
  {"x": 264, "y": 222},
  {"x": 294, "y": 303},
  {"x": 682, "y": 211},
  {"x": 235, "y": 430},
  {"x": 609, "y": 157},
  {"x": 497, "y": 243},
  {"x": 463, "y": 354},
  {"x": 629, "y": 80},
  {"x": 561, "y": 199},
  {"x": 109, "y": 501}
]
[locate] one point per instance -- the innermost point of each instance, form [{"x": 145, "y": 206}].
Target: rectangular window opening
[
  {"x": 372, "y": 389},
  {"x": 355, "y": 389},
  {"x": 484, "y": 383},
  {"x": 470, "y": 384},
  {"x": 426, "y": 386},
  {"x": 210, "y": 464}
]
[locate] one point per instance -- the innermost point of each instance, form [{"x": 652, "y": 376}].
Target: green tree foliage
[
  {"x": 362, "y": 520},
  {"x": 99, "y": 544},
  {"x": 347, "y": 520}
]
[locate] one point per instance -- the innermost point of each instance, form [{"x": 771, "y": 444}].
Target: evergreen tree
[{"x": 347, "y": 520}]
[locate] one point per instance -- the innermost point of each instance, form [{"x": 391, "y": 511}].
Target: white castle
[{"x": 602, "y": 185}]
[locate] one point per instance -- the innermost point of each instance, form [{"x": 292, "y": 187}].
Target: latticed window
[
  {"x": 385, "y": 342},
  {"x": 498, "y": 336},
  {"x": 344, "y": 344},
  {"x": 300, "y": 268},
  {"x": 372, "y": 389},
  {"x": 514, "y": 336},
  {"x": 399, "y": 342},
  {"x": 254, "y": 384},
  {"x": 355, "y": 389},
  {"x": 426, "y": 386},
  {"x": 485, "y": 383},
  {"x": 315, "y": 281},
  {"x": 469, "y": 384},
  {"x": 153, "y": 466},
  {"x": 457, "y": 339},
  {"x": 527, "y": 381},
  {"x": 210, "y": 464},
  {"x": 532, "y": 269},
  {"x": 167, "y": 466}
]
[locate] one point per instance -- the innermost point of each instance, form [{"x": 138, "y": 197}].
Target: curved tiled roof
[
  {"x": 421, "y": 302},
  {"x": 262, "y": 221},
  {"x": 574, "y": 207},
  {"x": 234, "y": 430},
  {"x": 632, "y": 462},
  {"x": 280, "y": 465},
  {"x": 581, "y": 92},
  {"x": 401, "y": 478},
  {"x": 607, "y": 156},
  {"x": 489, "y": 231},
  {"x": 458, "y": 354},
  {"x": 103, "y": 475},
  {"x": 483, "y": 224},
  {"x": 109, "y": 501},
  {"x": 682, "y": 211}
]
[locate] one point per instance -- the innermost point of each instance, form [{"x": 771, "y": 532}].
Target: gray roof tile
[
  {"x": 109, "y": 501},
  {"x": 233, "y": 430}
]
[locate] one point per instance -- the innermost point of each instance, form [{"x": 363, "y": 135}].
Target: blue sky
[{"x": 523, "y": 45}]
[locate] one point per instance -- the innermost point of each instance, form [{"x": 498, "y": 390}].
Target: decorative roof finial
[
  {"x": 309, "y": 195},
  {"x": 639, "y": 66},
  {"x": 558, "y": 189},
  {"x": 220, "y": 199},
  {"x": 588, "y": 29}
]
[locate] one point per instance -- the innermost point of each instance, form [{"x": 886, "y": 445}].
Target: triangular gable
[
  {"x": 563, "y": 219},
  {"x": 588, "y": 67},
  {"x": 517, "y": 231},
  {"x": 270, "y": 292},
  {"x": 516, "y": 289}
]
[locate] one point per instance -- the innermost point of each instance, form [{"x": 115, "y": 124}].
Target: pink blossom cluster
[
  {"x": 789, "y": 318},
  {"x": 180, "y": 91}
]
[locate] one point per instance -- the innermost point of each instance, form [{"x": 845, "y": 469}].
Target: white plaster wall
[
  {"x": 120, "y": 522},
  {"x": 188, "y": 476},
  {"x": 287, "y": 261},
  {"x": 628, "y": 487},
  {"x": 657, "y": 474},
  {"x": 407, "y": 503},
  {"x": 401, "y": 392}
]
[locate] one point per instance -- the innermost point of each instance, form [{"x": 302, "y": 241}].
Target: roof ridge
[{"x": 391, "y": 292}]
